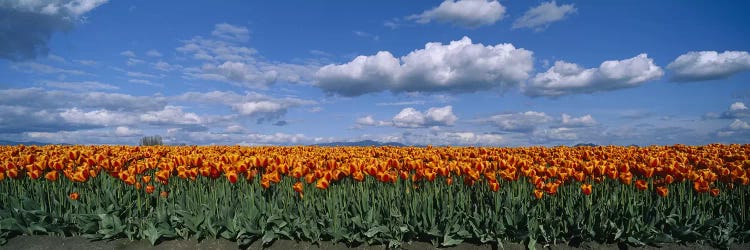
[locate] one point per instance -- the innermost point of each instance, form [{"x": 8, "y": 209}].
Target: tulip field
[{"x": 380, "y": 195}]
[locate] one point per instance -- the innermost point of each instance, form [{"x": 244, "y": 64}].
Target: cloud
[
  {"x": 366, "y": 121},
  {"x": 234, "y": 138},
  {"x": 225, "y": 60},
  {"x": 252, "y": 104},
  {"x": 19, "y": 119},
  {"x": 164, "y": 66},
  {"x": 466, "y": 13},
  {"x": 81, "y": 86},
  {"x": 737, "y": 131},
  {"x": 230, "y": 32},
  {"x": 366, "y": 35},
  {"x": 94, "y": 117},
  {"x": 708, "y": 65},
  {"x": 86, "y": 62},
  {"x": 518, "y": 122},
  {"x": 411, "y": 118},
  {"x": 87, "y": 136},
  {"x": 38, "y": 98},
  {"x": 737, "y": 124},
  {"x": 256, "y": 107},
  {"x": 127, "y": 132},
  {"x": 540, "y": 17},
  {"x": 100, "y": 117},
  {"x": 393, "y": 23},
  {"x": 171, "y": 115},
  {"x": 145, "y": 82},
  {"x": 38, "y": 68},
  {"x": 568, "y": 78},
  {"x": 583, "y": 121},
  {"x": 56, "y": 58},
  {"x": 464, "y": 138},
  {"x": 39, "y": 110},
  {"x": 140, "y": 75},
  {"x": 554, "y": 135},
  {"x": 133, "y": 61},
  {"x": 28, "y": 25},
  {"x": 235, "y": 129},
  {"x": 405, "y": 103},
  {"x": 153, "y": 53},
  {"x": 127, "y": 53},
  {"x": 736, "y": 110},
  {"x": 737, "y": 106},
  {"x": 458, "y": 67}
]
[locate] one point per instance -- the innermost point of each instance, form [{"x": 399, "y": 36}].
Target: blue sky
[{"x": 470, "y": 72}]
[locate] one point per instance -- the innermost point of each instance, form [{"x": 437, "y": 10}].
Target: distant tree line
[{"x": 151, "y": 140}]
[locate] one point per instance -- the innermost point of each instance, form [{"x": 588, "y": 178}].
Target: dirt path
[{"x": 77, "y": 243}]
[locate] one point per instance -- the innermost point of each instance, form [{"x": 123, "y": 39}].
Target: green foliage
[
  {"x": 372, "y": 212},
  {"x": 151, "y": 140}
]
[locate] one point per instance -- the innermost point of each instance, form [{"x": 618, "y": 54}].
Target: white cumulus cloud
[
  {"x": 708, "y": 65},
  {"x": 568, "y": 78},
  {"x": 412, "y": 118},
  {"x": 583, "y": 121},
  {"x": 460, "y": 66},
  {"x": 466, "y": 13}
]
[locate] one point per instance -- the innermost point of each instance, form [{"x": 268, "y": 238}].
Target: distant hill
[
  {"x": 365, "y": 143},
  {"x": 585, "y": 145}
]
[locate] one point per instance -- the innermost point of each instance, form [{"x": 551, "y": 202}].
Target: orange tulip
[
  {"x": 297, "y": 172},
  {"x": 74, "y": 196},
  {"x": 265, "y": 183},
  {"x": 322, "y": 184},
  {"x": 662, "y": 191},
  {"x": 715, "y": 192},
  {"x": 12, "y": 173},
  {"x": 430, "y": 176},
  {"x": 641, "y": 184},
  {"x": 648, "y": 172},
  {"x": 298, "y": 187},
  {"x": 358, "y": 176},
  {"x": 701, "y": 186},
  {"x": 669, "y": 179},
  {"x": 231, "y": 176},
  {"x": 163, "y": 175},
  {"x": 164, "y": 194},
  {"x": 538, "y": 193},
  {"x": 586, "y": 189},
  {"x": 130, "y": 180},
  {"x": 310, "y": 178},
  {"x": 150, "y": 188},
  {"x": 146, "y": 178},
  {"x": 626, "y": 178},
  {"x": 494, "y": 186},
  {"x": 249, "y": 175},
  {"x": 52, "y": 175},
  {"x": 34, "y": 174},
  {"x": 579, "y": 176}
]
